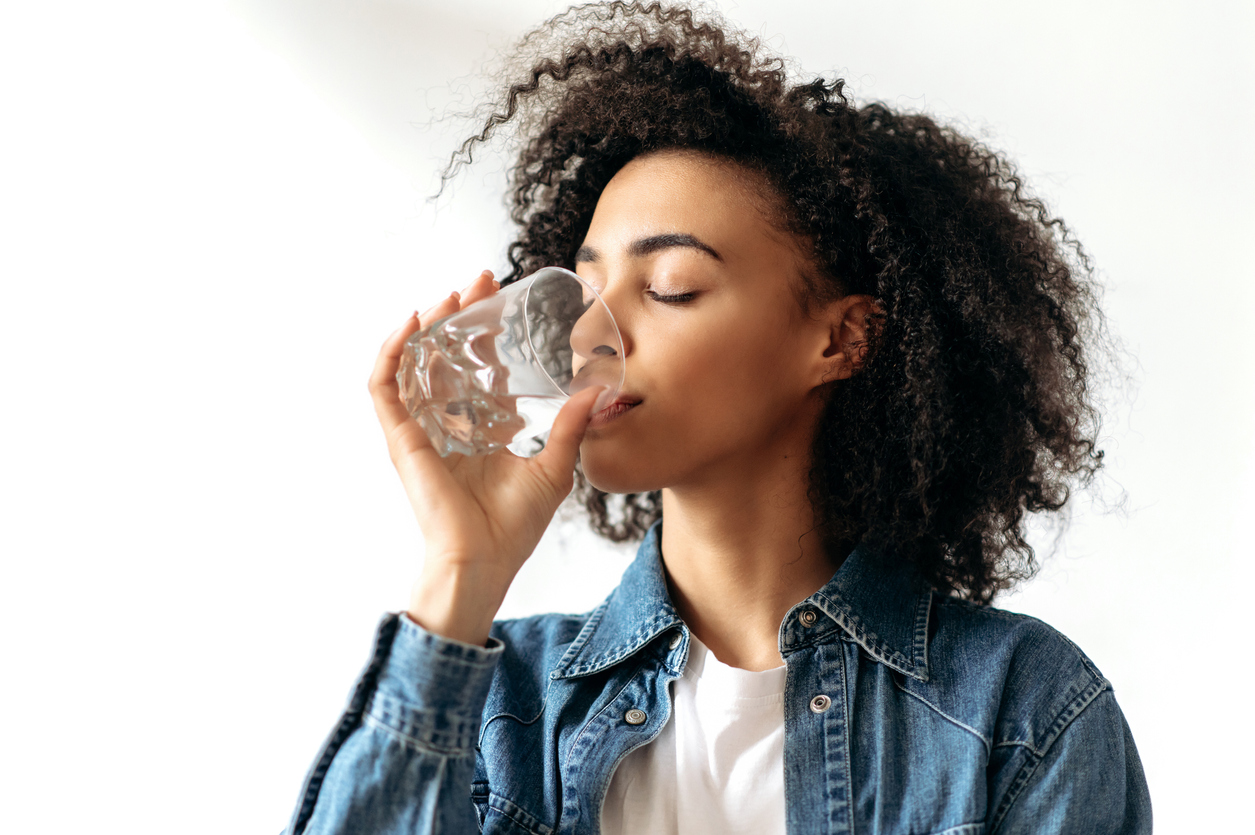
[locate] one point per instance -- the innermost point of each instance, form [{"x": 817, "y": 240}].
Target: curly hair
[{"x": 974, "y": 407}]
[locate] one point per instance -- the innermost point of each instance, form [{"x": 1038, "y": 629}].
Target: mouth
[{"x": 621, "y": 406}]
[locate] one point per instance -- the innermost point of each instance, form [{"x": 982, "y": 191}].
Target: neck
[{"x": 740, "y": 550}]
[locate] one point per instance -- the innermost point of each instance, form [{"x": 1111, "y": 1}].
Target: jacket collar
[
  {"x": 882, "y": 606},
  {"x": 880, "y": 603},
  {"x": 635, "y": 613}
]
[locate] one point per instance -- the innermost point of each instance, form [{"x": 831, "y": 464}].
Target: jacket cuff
[{"x": 431, "y": 690}]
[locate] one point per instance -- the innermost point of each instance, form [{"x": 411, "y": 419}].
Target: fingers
[
  {"x": 449, "y": 304},
  {"x": 404, "y": 436},
  {"x": 481, "y": 288},
  {"x": 558, "y": 456},
  {"x": 383, "y": 387}
]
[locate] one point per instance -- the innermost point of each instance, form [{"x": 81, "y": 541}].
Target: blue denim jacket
[{"x": 905, "y": 712}]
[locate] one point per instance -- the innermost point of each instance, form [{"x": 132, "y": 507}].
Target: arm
[
  {"x": 1088, "y": 782},
  {"x": 401, "y": 758}
]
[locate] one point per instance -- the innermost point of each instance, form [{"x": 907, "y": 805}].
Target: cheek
[
  {"x": 707, "y": 398},
  {"x": 750, "y": 366}
]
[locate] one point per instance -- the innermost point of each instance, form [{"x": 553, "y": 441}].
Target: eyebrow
[{"x": 648, "y": 246}]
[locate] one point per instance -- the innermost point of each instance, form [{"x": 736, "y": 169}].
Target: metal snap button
[
  {"x": 820, "y": 703},
  {"x": 808, "y": 617},
  {"x": 675, "y": 640},
  {"x": 635, "y": 717}
]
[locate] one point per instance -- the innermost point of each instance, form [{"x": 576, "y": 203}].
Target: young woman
[{"x": 856, "y": 357}]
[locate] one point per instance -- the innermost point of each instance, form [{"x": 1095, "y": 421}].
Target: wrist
[{"x": 457, "y": 602}]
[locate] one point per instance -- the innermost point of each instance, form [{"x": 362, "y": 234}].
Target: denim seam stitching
[
  {"x": 1090, "y": 692},
  {"x": 987, "y": 742},
  {"x": 506, "y": 808},
  {"x": 849, "y": 765},
  {"x": 604, "y": 789},
  {"x": 445, "y": 649},
  {"x": 869, "y": 641},
  {"x": 566, "y": 763},
  {"x": 581, "y": 639},
  {"x": 418, "y": 744},
  {"x": 643, "y": 635},
  {"x": 457, "y": 655},
  {"x": 1085, "y": 660},
  {"x": 539, "y": 713},
  {"x": 439, "y": 780},
  {"x": 1065, "y": 718},
  {"x": 349, "y": 722},
  {"x": 922, "y": 613},
  {"x": 396, "y": 714}
]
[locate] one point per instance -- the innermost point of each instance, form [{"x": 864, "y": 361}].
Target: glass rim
[{"x": 545, "y": 272}]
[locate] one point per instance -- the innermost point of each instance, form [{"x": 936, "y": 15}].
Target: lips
[{"x": 623, "y": 404}]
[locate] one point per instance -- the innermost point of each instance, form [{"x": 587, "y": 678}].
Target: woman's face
[{"x": 723, "y": 367}]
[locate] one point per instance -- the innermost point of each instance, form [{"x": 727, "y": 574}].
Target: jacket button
[
  {"x": 808, "y": 617},
  {"x": 675, "y": 641},
  {"x": 819, "y": 704},
  {"x": 635, "y": 717}
]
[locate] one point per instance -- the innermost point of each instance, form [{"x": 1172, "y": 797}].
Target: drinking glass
[{"x": 496, "y": 372}]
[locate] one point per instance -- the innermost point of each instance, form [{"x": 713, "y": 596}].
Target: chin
[{"x": 617, "y": 471}]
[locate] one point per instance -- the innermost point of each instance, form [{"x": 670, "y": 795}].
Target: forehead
[
  {"x": 677, "y": 170},
  {"x": 687, "y": 192}
]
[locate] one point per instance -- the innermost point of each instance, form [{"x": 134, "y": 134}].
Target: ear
[{"x": 852, "y": 321}]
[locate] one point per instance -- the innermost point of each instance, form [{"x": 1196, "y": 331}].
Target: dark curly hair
[{"x": 974, "y": 407}]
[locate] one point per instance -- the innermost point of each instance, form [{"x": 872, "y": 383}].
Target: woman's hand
[{"x": 481, "y": 516}]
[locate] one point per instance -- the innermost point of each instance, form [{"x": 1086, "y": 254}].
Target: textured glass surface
[{"x": 498, "y": 371}]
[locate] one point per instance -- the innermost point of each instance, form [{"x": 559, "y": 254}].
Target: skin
[{"x": 725, "y": 379}]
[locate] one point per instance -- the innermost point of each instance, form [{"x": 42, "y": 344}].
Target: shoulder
[
  {"x": 1022, "y": 681},
  {"x": 1059, "y": 747}
]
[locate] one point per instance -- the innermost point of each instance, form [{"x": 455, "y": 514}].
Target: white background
[{"x": 211, "y": 214}]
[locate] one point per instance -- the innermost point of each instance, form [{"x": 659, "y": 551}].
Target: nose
[{"x": 595, "y": 337}]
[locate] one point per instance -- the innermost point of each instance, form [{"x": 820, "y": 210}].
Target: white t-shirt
[{"x": 716, "y": 767}]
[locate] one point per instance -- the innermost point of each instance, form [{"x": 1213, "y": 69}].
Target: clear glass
[{"x": 497, "y": 372}]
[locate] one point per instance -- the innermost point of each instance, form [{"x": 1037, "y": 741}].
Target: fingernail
[
  {"x": 496, "y": 285},
  {"x": 456, "y": 296}
]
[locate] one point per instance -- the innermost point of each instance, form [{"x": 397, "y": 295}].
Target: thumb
[{"x": 558, "y": 456}]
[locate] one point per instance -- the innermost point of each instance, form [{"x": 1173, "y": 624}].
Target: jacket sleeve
[
  {"x": 1088, "y": 782},
  {"x": 401, "y": 758}
]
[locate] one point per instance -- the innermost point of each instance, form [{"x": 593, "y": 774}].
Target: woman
[{"x": 856, "y": 357}]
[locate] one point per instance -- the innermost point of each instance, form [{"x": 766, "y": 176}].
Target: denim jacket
[{"x": 905, "y": 711}]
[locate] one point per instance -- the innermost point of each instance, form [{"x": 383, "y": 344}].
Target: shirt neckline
[{"x": 705, "y": 670}]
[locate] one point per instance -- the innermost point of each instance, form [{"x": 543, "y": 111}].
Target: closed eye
[{"x": 675, "y": 298}]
